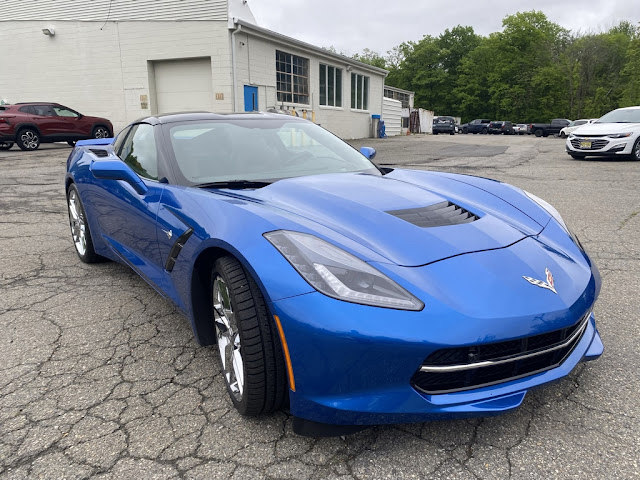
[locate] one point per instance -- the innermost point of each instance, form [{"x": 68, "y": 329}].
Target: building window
[
  {"x": 330, "y": 86},
  {"x": 292, "y": 78},
  {"x": 359, "y": 92}
]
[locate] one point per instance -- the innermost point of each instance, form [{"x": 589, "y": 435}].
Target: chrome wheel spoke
[
  {"x": 229, "y": 344},
  {"x": 76, "y": 221}
]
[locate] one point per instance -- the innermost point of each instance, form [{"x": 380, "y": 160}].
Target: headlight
[
  {"x": 556, "y": 215},
  {"x": 620, "y": 135},
  {"x": 339, "y": 274}
]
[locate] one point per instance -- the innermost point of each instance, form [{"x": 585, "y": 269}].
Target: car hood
[
  {"x": 606, "y": 128},
  {"x": 364, "y": 208}
]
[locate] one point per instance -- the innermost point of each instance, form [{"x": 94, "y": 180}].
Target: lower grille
[
  {"x": 595, "y": 144},
  {"x": 456, "y": 369}
]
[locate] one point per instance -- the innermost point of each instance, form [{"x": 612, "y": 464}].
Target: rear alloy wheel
[
  {"x": 80, "y": 232},
  {"x": 635, "y": 153},
  {"x": 250, "y": 353},
  {"x": 538, "y": 133},
  {"x": 28, "y": 139},
  {"x": 6, "y": 145},
  {"x": 101, "y": 132},
  {"x": 484, "y": 131}
]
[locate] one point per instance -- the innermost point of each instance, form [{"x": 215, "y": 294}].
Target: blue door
[{"x": 250, "y": 98}]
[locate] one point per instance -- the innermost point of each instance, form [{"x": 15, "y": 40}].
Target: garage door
[
  {"x": 392, "y": 116},
  {"x": 183, "y": 85}
]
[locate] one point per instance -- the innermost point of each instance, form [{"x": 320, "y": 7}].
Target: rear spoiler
[{"x": 95, "y": 141}]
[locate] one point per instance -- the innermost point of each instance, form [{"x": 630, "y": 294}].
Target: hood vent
[
  {"x": 437, "y": 215},
  {"x": 99, "y": 152}
]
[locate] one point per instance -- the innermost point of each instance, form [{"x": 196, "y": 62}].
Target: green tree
[{"x": 372, "y": 58}]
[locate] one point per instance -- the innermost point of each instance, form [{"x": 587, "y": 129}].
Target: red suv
[{"x": 29, "y": 124}]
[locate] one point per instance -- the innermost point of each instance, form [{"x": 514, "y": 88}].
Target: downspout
[{"x": 233, "y": 66}]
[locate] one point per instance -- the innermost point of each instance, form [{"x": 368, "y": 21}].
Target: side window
[
  {"x": 28, "y": 109},
  {"x": 64, "y": 112},
  {"x": 117, "y": 145},
  {"x": 139, "y": 151},
  {"x": 44, "y": 110}
]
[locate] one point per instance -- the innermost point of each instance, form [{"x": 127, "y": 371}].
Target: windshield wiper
[{"x": 234, "y": 184}]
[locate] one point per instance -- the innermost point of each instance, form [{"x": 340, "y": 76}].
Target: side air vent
[
  {"x": 437, "y": 215},
  {"x": 99, "y": 152}
]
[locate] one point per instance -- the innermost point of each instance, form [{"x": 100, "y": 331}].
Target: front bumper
[
  {"x": 599, "y": 146},
  {"x": 354, "y": 364},
  {"x": 348, "y": 378}
]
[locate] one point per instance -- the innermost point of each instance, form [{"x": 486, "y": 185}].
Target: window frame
[
  {"x": 293, "y": 78},
  {"x": 336, "y": 87},
  {"x": 129, "y": 139},
  {"x": 360, "y": 85}
]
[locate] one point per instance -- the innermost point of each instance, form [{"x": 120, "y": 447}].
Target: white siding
[
  {"x": 105, "y": 71},
  {"x": 392, "y": 116},
  {"x": 116, "y": 10},
  {"x": 256, "y": 65}
]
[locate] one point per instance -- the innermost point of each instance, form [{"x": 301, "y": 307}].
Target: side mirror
[
  {"x": 368, "y": 152},
  {"x": 117, "y": 170}
]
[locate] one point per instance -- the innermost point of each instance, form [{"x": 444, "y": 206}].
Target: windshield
[
  {"x": 622, "y": 115},
  {"x": 209, "y": 151}
]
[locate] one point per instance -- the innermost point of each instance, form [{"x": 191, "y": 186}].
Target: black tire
[
  {"x": 465, "y": 131},
  {"x": 435, "y": 133},
  {"x": 576, "y": 156},
  {"x": 71, "y": 143},
  {"x": 6, "y": 145},
  {"x": 100, "y": 131},
  {"x": 28, "y": 139},
  {"x": 484, "y": 131},
  {"x": 80, "y": 228},
  {"x": 562, "y": 135},
  {"x": 452, "y": 133},
  {"x": 264, "y": 378},
  {"x": 537, "y": 133},
  {"x": 635, "y": 153}
]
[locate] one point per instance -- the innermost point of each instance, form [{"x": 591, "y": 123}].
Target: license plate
[{"x": 585, "y": 144}]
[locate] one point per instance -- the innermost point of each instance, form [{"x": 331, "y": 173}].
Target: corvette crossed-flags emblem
[{"x": 539, "y": 283}]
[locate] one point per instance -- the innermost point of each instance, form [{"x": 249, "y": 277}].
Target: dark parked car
[
  {"x": 479, "y": 125},
  {"x": 546, "y": 129},
  {"x": 444, "y": 125},
  {"x": 29, "y": 124},
  {"x": 500, "y": 126}
]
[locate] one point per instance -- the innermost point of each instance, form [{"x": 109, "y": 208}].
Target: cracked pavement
[{"x": 100, "y": 376}]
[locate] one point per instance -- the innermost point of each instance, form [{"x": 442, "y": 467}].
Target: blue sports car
[{"x": 354, "y": 294}]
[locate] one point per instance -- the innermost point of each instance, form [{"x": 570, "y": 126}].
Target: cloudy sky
[{"x": 351, "y": 26}]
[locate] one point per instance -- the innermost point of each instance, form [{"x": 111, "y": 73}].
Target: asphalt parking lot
[{"x": 100, "y": 377}]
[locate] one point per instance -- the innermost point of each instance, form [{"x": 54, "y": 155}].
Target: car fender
[{"x": 21, "y": 125}]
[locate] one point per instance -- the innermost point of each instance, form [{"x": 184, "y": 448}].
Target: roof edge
[{"x": 283, "y": 39}]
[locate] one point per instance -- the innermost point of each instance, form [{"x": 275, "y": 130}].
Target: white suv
[{"x": 614, "y": 134}]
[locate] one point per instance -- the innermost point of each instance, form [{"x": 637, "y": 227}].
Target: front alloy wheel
[
  {"x": 100, "y": 132},
  {"x": 229, "y": 343},
  {"x": 635, "y": 153},
  {"x": 251, "y": 357}
]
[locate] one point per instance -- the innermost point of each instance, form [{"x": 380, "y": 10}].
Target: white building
[{"x": 124, "y": 59}]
